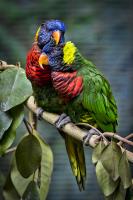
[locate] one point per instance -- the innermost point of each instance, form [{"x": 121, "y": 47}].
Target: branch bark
[
  {"x": 73, "y": 130},
  {"x": 118, "y": 137},
  {"x": 4, "y": 65}
]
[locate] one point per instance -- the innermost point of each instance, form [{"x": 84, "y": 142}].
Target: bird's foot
[
  {"x": 62, "y": 120},
  {"x": 88, "y": 136},
  {"x": 39, "y": 113}
]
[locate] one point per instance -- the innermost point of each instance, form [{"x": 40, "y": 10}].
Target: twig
[
  {"x": 116, "y": 136},
  {"x": 127, "y": 137},
  {"x": 28, "y": 126},
  {"x": 4, "y": 65},
  {"x": 32, "y": 120},
  {"x": 10, "y": 150}
]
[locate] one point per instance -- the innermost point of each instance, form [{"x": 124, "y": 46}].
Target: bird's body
[
  {"x": 47, "y": 97},
  {"x": 85, "y": 95},
  {"x": 40, "y": 77},
  {"x": 44, "y": 93},
  {"x": 85, "y": 90}
]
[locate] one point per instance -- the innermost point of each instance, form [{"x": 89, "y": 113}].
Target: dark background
[{"x": 103, "y": 31}]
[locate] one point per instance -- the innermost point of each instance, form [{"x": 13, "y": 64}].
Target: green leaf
[
  {"x": 9, "y": 192},
  {"x": 28, "y": 155},
  {"x": 119, "y": 193},
  {"x": 46, "y": 167},
  {"x": 97, "y": 152},
  {"x": 32, "y": 192},
  {"x": 15, "y": 88},
  {"x": 9, "y": 136},
  {"x": 105, "y": 182},
  {"x": 5, "y": 122},
  {"x": 20, "y": 183},
  {"x": 110, "y": 158},
  {"x": 124, "y": 171}
]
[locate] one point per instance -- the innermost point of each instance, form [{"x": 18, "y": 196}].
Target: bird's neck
[
  {"x": 78, "y": 62},
  {"x": 81, "y": 63}
]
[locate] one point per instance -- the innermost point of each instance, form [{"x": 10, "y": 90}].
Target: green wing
[{"x": 99, "y": 101}]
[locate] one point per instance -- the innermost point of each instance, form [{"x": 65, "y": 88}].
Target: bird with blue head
[
  {"x": 49, "y": 34},
  {"x": 49, "y": 39}
]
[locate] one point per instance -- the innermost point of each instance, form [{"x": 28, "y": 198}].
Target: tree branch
[
  {"x": 4, "y": 65},
  {"x": 75, "y": 131}
]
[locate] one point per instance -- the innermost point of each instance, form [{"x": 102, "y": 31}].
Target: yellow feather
[
  {"x": 37, "y": 33},
  {"x": 69, "y": 53}
]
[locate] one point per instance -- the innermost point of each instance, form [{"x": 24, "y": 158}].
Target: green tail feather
[{"x": 77, "y": 160}]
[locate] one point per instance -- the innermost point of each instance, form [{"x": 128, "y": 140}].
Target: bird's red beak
[
  {"x": 43, "y": 60},
  {"x": 56, "y": 35}
]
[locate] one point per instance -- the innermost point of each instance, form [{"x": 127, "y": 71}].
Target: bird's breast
[
  {"x": 67, "y": 84},
  {"x": 34, "y": 72}
]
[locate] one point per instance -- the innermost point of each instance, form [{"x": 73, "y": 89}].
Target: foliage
[
  {"x": 112, "y": 171},
  {"x": 14, "y": 87},
  {"x": 32, "y": 162},
  {"x": 10, "y": 134},
  {"x": 4, "y": 126},
  {"x": 28, "y": 155}
]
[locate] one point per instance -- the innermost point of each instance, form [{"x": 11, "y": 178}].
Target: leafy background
[{"x": 103, "y": 31}]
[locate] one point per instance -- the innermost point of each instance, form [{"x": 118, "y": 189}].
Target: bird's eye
[
  {"x": 52, "y": 40},
  {"x": 51, "y": 37}
]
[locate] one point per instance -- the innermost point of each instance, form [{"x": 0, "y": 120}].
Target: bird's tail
[{"x": 76, "y": 156}]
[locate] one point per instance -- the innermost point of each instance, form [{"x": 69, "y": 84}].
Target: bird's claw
[
  {"x": 62, "y": 120},
  {"x": 39, "y": 113},
  {"x": 88, "y": 136}
]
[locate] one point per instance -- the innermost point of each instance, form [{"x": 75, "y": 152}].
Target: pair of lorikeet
[{"x": 65, "y": 82}]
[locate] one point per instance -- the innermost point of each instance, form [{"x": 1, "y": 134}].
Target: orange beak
[
  {"x": 43, "y": 60},
  {"x": 56, "y": 35}
]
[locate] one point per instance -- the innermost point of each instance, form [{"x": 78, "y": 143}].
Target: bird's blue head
[{"x": 52, "y": 31}]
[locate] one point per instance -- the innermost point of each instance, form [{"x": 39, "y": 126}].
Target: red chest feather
[
  {"x": 67, "y": 84},
  {"x": 34, "y": 72}
]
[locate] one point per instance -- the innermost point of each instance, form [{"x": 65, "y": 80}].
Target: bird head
[
  {"x": 50, "y": 34},
  {"x": 50, "y": 30},
  {"x": 61, "y": 58}
]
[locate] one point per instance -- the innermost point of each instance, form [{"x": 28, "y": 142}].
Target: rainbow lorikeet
[
  {"x": 83, "y": 88},
  {"x": 48, "y": 36}
]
